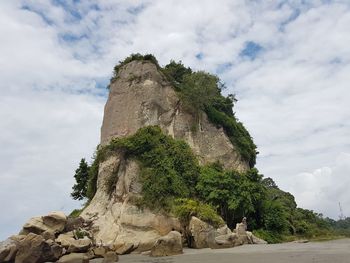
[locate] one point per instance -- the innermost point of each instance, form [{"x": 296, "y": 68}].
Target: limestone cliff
[{"x": 139, "y": 97}]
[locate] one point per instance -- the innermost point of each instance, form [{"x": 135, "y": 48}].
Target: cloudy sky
[{"x": 287, "y": 62}]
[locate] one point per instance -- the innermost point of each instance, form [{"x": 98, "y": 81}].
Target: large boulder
[
  {"x": 8, "y": 250},
  {"x": 68, "y": 241},
  {"x": 224, "y": 241},
  {"x": 34, "y": 249},
  {"x": 53, "y": 222},
  {"x": 255, "y": 240},
  {"x": 168, "y": 245},
  {"x": 201, "y": 233}
]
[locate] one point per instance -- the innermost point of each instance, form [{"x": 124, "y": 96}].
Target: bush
[
  {"x": 132, "y": 57},
  {"x": 184, "y": 209},
  {"x": 268, "y": 236},
  {"x": 169, "y": 169}
]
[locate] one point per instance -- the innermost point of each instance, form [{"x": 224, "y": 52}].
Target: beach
[{"x": 336, "y": 251}]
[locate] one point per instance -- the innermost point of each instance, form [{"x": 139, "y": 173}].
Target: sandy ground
[{"x": 337, "y": 251}]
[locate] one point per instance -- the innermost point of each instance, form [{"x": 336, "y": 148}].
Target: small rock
[
  {"x": 125, "y": 249},
  {"x": 168, "y": 245},
  {"x": 99, "y": 251},
  {"x": 110, "y": 257},
  {"x": 74, "y": 258}
]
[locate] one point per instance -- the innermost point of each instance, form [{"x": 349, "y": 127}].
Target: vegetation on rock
[{"x": 200, "y": 93}]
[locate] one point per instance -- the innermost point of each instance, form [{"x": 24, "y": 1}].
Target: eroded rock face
[
  {"x": 168, "y": 245},
  {"x": 34, "y": 249},
  {"x": 8, "y": 250},
  {"x": 116, "y": 221},
  {"x": 202, "y": 233},
  {"x": 141, "y": 96}
]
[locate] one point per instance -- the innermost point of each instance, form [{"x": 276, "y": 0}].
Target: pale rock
[
  {"x": 74, "y": 258},
  {"x": 225, "y": 241},
  {"x": 201, "y": 232},
  {"x": 68, "y": 241},
  {"x": 168, "y": 245},
  {"x": 110, "y": 257},
  {"x": 53, "y": 222},
  {"x": 255, "y": 240},
  {"x": 125, "y": 248}
]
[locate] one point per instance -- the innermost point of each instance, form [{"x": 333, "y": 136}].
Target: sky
[{"x": 288, "y": 62}]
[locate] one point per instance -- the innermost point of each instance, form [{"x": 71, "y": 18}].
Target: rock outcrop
[
  {"x": 139, "y": 97},
  {"x": 168, "y": 245}
]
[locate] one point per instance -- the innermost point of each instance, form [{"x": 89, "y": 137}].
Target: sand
[{"x": 337, "y": 251}]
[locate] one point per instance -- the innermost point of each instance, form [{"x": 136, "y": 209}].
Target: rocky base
[{"x": 56, "y": 238}]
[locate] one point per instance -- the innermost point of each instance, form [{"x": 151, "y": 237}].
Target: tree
[{"x": 81, "y": 177}]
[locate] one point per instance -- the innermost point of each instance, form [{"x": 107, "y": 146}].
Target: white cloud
[{"x": 293, "y": 97}]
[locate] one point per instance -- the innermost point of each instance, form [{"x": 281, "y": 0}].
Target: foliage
[
  {"x": 75, "y": 213},
  {"x": 169, "y": 168},
  {"x": 236, "y": 195},
  {"x": 201, "y": 92},
  {"x": 175, "y": 72},
  {"x": 132, "y": 57},
  {"x": 184, "y": 209},
  {"x": 81, "y": 178},
  {"x": 270, "y": 237},
  {"x": 93, "y": 173}
]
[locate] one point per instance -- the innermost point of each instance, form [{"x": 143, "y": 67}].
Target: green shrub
[
  {"x": 132, "y": 57},
  {"x": 169, "y": 169},
  {"x": 76, "y": 212},
  {"x": 268, "y": 236},
  {"x": 184, "y": 209}
]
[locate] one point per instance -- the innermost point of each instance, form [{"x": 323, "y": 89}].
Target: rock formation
[
  {"x": 112, "y": 224},
  {"x": 139, "y": 97}
]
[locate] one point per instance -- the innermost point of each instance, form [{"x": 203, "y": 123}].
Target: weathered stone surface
[
  {"x": 74, "y": 245},
  {"x": 168, "y": 245},
  {"x": 225, "y": 241},
  {"x": 152, "y": 101},
  {"x": 255, "y": 240},
  {"x": 34, "y": 249},
  {"x": 125, "y": 249},
  {"x": 53, "y": 222},
  {"x": 99, "y": 252},
  {"x": 8, "y": 250},
  {"x": 48, "y": 235},
  {"x": 202, "y": 233},
  {"x": 74, "y": 223},
  {"x": 74, "y": 258},
  {"x": 110, "y": 257}
]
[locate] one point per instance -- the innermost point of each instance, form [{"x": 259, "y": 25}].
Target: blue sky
[{"x": 286, "y": 61}]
